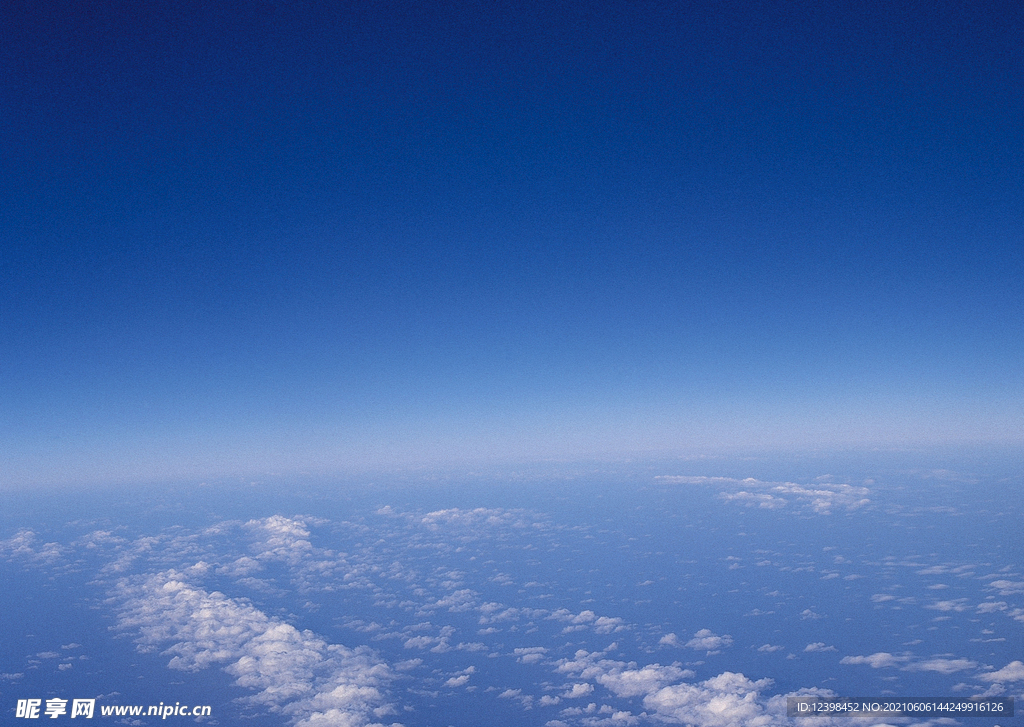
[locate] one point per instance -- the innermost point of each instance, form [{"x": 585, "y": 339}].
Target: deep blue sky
[{"x": 243, "y": 237}]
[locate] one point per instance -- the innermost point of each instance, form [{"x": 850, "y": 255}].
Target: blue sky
[{"x": 252, "y": 237}]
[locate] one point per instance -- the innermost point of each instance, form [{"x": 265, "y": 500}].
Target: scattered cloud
[
  {"x": 819, "y": 646},
  {"x": 288, "y": 671},
  {"x": 877, "y": 660},
  {"x": 578, "y": 690},
  {"x": 1012, "y": 672},
  {"x": 706, "y": 640},
  {"x": 941, "y": 665}
]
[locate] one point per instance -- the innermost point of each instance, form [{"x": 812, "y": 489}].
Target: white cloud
[
  {"x": 25, "y": 545},
  {"x": 607, "y": 624},
  {"x": 290, "y": 671},
  {"x": 958, "y": 605},
  {"x": 578, "y": 690},
  {"x": 822, "y": 498},
  {"x": 992, "y": 606},
  {"x": 1012, "y": 672},
  {"x": 768, "y": 648},
  {"x": 530, "y": 654},
  {"x": 727, "y": 700},
  {"x": 819, "y": 646},
  {"x": 281, "y": 538},
  {"x": 942, "y": 666},
  {"x": 877, "y": 660},
  {"x": 621, "y": 678},
  {"x": 420, "y": 642},
  {"x": 1007, "y": 588},
  {"x": 706, "y": 640}
]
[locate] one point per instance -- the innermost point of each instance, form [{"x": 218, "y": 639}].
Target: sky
[{"x": 283, "y": 237}]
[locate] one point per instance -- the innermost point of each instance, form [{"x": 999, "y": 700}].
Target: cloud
[
  {"x": 281, "y": 538},
  {"x": 621, "y": 678},
  {"x": 291, "y": 672},
  {"x": 819, "y": 646},
  {"x": 957, "y": 605},
  {"x": 530, "y": 654},
  {"x": 608, "y": 624},
  {"x": 877, "y": 660},
  {"x": 461, "y": 679},
  {"x": 726, "y": 700},
  {"x": 587, "y": 619},
  {"x": 768, "y": 648},
  {"x": 25, "y": 545},
  {"x": 942, "y": 666},
  {"x": 822, "y": 498},
  {"x": 1007, "y": 588},
  {"x": 460, "y": 518},
  {"x": 578, "y": 690},
  {"x": 992, "y": 606},
  {"x": 706, "y": 640},
  {"x": 1012, "y": 672}
]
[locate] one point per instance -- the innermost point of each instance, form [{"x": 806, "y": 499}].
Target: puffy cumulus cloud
[
  {"x": 623, "y": 679},
  {"x": 241, "y": 567},
  {"x": 530, "y": 654},
  {"x": 291, "y": 672},
  {"x": 587, "y": 619},
  {"x": 878, "y": 660},
  {"x": 958, "y": 605},
  {"x": 727, "y": 700},
  {"x": 1012, "y": 672},
  {"x": 564, "y": 614},
  {"x": 825, "y": 498},
  {"x": 457, "y": 601},
  {"x": 281, "y": 538},
  {"x": 461, "y": 678},
  {"x": 25, "y": 545},
  {"x": 581, "y": 690},
  {"x": 670, "y": 639},
  {"x": 707, "y": 640}
]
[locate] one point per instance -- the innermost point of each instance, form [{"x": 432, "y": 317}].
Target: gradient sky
[{"x": 305, "y": 236}]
